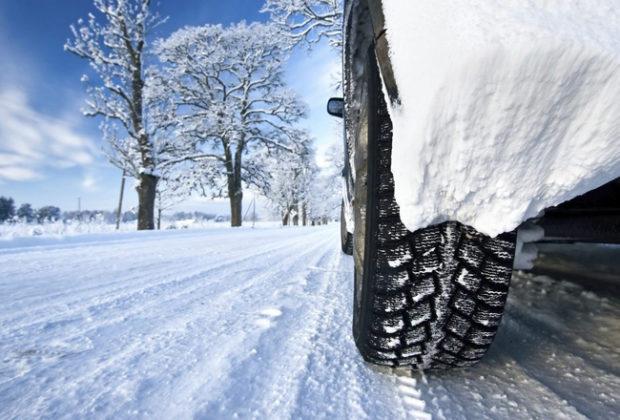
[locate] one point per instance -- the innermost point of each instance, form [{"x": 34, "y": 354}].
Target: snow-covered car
[{"x": 464, "y": 122}]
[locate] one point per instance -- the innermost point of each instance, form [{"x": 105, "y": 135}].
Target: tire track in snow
[
  {"x": 145, "y": 278},
  {"x": 230, "y": 359},
  {"x": 219, "y": 307},
  {"x": 336, "y": 382},
  {"x": 284, "y": 255},
  {"x": 77, "y": 306},
  {"x": 412, "y": 398}
]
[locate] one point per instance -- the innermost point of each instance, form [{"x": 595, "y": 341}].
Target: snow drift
[{"x": 507, "y": 107}]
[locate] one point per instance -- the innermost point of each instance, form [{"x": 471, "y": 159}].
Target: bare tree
[
  {"x": 308, "y": 20},
  {"x": 232, "y": 101},
  {"x": 115, "y": 50}
]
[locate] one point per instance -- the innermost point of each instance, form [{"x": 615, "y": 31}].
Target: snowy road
[{"x": 256, "y": 323}]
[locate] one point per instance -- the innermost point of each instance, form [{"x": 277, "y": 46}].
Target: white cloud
[
  {"x": 30, "y": 141},
  {"x": 89, "y": 182}
]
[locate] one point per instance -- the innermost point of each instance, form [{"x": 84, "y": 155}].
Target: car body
[
  {"x": 590, "y": 217},
  {"x": 433, "y": 296}
]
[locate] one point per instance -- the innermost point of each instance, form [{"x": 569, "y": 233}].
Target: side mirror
[{"x": 335, "y": 107}]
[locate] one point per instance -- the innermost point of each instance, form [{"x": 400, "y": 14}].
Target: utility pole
[{"x": 119, "y": 210}]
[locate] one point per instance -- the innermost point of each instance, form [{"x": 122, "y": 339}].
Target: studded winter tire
[{"x": 432, "y": 298}]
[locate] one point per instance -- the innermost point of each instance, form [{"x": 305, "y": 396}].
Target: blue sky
[{"x": 49, "y": 152}]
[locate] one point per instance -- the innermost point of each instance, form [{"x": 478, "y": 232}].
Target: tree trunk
[
  {"x": 158, "y": 219},
  {"x": 236, "y": 209},
  {"x": 304, "y": 215},
  {"x": 235, "y": 196},
  {"x": 285, "y": 218},
  {"x": 235, "y": 189},
  {"x": 146, "y": 201}
]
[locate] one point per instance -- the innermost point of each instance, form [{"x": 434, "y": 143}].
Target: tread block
[
  {"x": 464, "y": 303},
  {"x": 470, "y": 253},
  {"x": 411, "y": 351},
  {"x": 458, "y": 325},
  {"x": 429, "y": 240},
  {"x": 391, "y": 232},
  {"x": 502, "y": 250},
  {"x": 419, "y": 313},
  {"x": 385, "y": 343},
  {"x": 382, "y": 355},
  {"x": 392, "y": 325},
  {"x": 446, "y": 358},
  {"x": 387, "y": 208},
  {"x": 495, "y": 272},
  {"x": 487, "y": 318},
  {"x": 426, "y": 263},
  {"x": 384, "y": 157},
  {"x": 422, "y": 288},
  {"x": 385, "y": 183},
  {"x": 394, "y": 251},
  {"x": 480, "y": 337},
  {"x": 389, "y": 282},
  {"x": 452, "y": 344},
  {"x": 409, "y": 361},
  {"x": 381, "y": 362},
  {"x": 466, "y": 279},
  {"x": 491, "y": 297},
  {"x": 415, "y": 335},
  {"x": 386, "y": 305}
]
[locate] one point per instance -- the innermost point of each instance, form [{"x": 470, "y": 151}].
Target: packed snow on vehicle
[{"x": 506, "y": 108}]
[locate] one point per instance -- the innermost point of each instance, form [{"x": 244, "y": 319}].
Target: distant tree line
[{"x": 25, "y": 213}]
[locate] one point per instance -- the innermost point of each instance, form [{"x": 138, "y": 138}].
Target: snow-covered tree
[
  {"x": 175, "y": 186},
  {"x": 308, "y": 21},
  {"x": 48, "y": 214},
  {"x": 326, "y": 193},
  {"x": 324, "y": 198},
  {"x": 25, "y": 213},
  {"x": 232, "y": 103},
  {"x": 7, "y": 208},
  {"x": 289, "y": 182},
  {"x": 114, "y": 42},
  {"x": 334, "y": 157}
]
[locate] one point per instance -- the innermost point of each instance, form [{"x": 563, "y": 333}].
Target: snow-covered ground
[
  {"x": 60, "y": 229},
  {"x": 257, "y": 324}
]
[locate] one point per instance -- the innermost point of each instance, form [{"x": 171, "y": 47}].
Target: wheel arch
[{"x": 365, "y": 25}]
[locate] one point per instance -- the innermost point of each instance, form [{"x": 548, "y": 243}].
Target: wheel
[
  {"x": 346, "y": 239},
  {"x": 432, "y": 298}
]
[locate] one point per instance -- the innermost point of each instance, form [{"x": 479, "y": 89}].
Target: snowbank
[
  {"x": 507, "y": 107},
  {"x": 25, "y": 234}
]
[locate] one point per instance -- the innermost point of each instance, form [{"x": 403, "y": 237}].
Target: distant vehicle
[{"x": 432, "y": 298}]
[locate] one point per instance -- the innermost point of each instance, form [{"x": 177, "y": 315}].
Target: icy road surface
[{"x": 256, "y": 324}]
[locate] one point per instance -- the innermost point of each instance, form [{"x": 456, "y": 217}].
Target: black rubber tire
[
  {"x": 346, "y": 238},
  {"x": 432, "y": 298}
]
